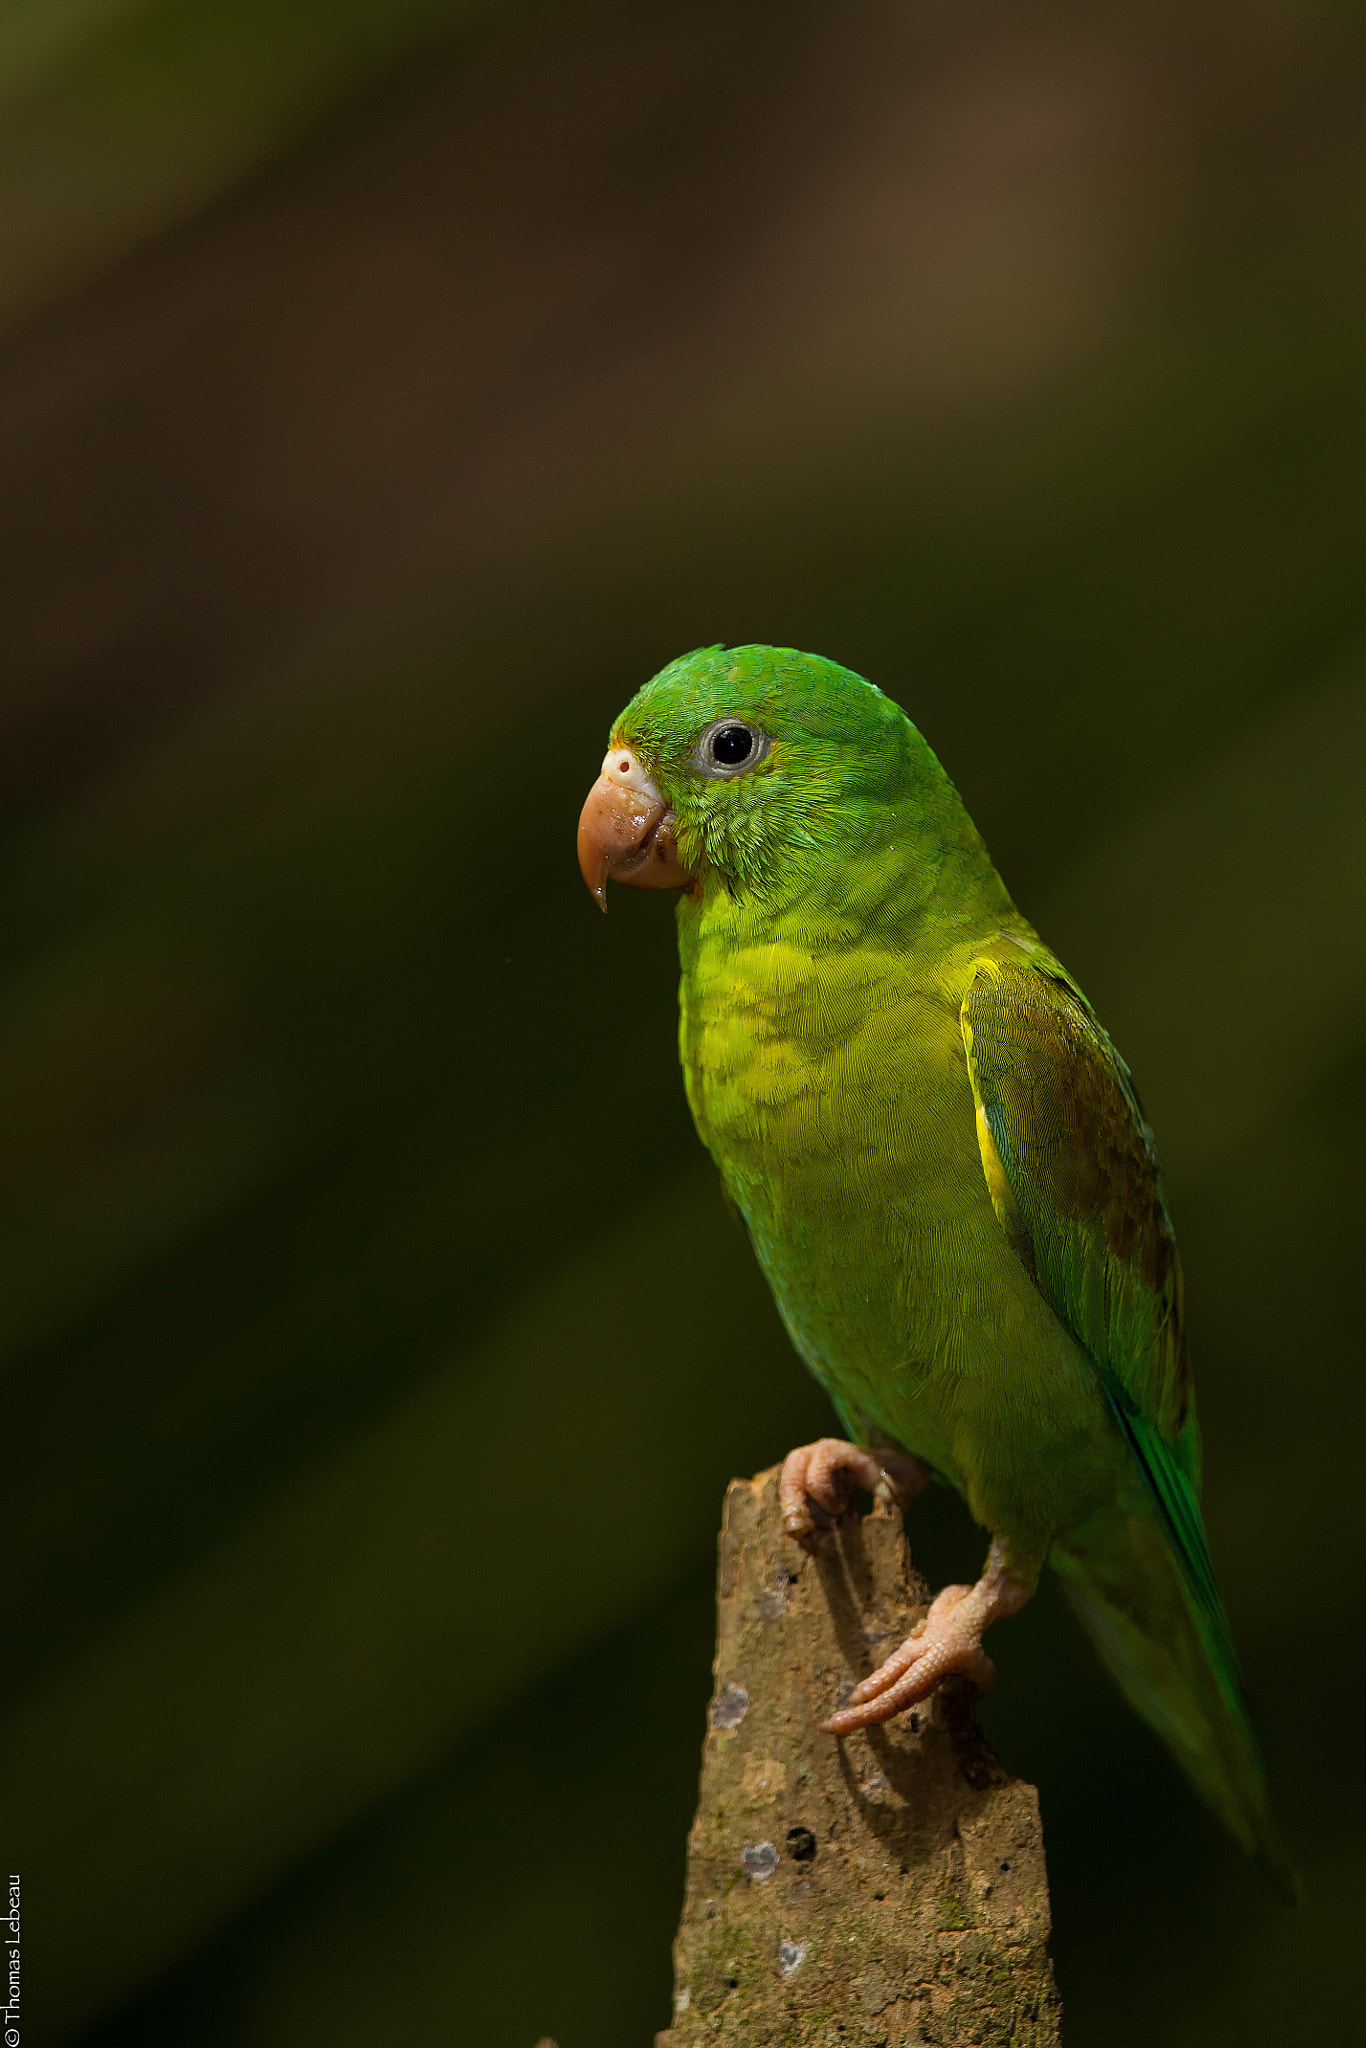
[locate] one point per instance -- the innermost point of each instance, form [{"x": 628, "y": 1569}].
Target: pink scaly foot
[
  {"x": 948, "y": 1639},
  {"x": 816, "y": 1476}
]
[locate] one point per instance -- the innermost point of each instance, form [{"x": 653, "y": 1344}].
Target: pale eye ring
[{"x": 729, "y": 747}]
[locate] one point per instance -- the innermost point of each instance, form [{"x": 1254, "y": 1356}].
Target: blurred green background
[{"x": 387, "y": 390}]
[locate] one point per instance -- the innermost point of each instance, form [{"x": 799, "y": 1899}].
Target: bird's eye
[
  {"x": 729, "y": 747},
  {"x": 732, "y": 745}
]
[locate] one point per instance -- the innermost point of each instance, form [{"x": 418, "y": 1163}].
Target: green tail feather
[{"x": 1154, "y": 1613}]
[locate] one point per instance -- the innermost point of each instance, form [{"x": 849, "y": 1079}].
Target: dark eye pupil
[{"x": 732, "y": 745}]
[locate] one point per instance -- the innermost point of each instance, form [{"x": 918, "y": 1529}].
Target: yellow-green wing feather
[
  {"x": 1073, "y": 1175},
  {"x": 1060, "y": 1109}
]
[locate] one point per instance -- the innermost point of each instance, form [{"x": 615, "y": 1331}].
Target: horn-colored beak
[{"x": 625, "y": 831}]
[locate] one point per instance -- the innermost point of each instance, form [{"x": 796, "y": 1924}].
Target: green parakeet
[{"x": 945, "y": 1172}]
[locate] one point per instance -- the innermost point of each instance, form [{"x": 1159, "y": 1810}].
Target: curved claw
[
  {"x": 947, "y": 1640},
  {"x": 817, "y": 1476}
]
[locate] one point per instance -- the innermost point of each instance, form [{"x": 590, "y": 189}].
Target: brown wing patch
[
  {"x": 1074, "y": 1143},
  {"x": 1075, "y": 1128}
]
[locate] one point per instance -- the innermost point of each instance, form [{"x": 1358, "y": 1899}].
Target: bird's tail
[{"x": 1168, "y": 1644}]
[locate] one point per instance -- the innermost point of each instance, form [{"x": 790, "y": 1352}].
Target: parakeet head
[{"x": 744, "y": 767}]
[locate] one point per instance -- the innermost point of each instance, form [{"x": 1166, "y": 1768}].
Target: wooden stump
[{"x": 884, "y": 1889}]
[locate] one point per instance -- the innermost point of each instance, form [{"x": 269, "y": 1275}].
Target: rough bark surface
[{"x": 885, "y": 1889}]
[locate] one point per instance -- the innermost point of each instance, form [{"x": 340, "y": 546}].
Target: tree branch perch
[{"x": 877, "y": 1892}]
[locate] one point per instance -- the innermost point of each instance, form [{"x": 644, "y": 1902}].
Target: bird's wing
[{"x": 1074, "y": 1179}]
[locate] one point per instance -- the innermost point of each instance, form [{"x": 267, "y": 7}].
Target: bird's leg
[
  {"x": 814, "y": 1489},
  {"x": 948, "y": 1639}
]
